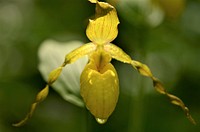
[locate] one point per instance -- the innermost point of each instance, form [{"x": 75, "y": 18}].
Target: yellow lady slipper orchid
[{"x": 99, "y": 81}]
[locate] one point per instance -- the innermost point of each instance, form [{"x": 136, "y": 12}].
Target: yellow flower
[{"x": 99, "y": 85}]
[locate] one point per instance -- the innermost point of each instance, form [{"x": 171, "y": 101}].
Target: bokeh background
[{"x": 164, "y": 34}]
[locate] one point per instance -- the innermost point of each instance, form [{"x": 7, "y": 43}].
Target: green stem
[
  {"x": 136, "y": 109},
  {"x": 85, "y": 123},
  {"x": 137, "y": 112}
]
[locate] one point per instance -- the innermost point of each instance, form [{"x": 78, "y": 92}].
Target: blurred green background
[{"x": 167, "y": 40}]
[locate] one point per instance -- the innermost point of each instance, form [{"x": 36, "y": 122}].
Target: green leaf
[{"x": 51, "y": 55}]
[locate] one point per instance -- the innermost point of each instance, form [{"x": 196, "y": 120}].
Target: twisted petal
[
  {"x": 144, "y": 70},
  {"x": 103, "y": 28},
  {"x": 39, "y": 98}
]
